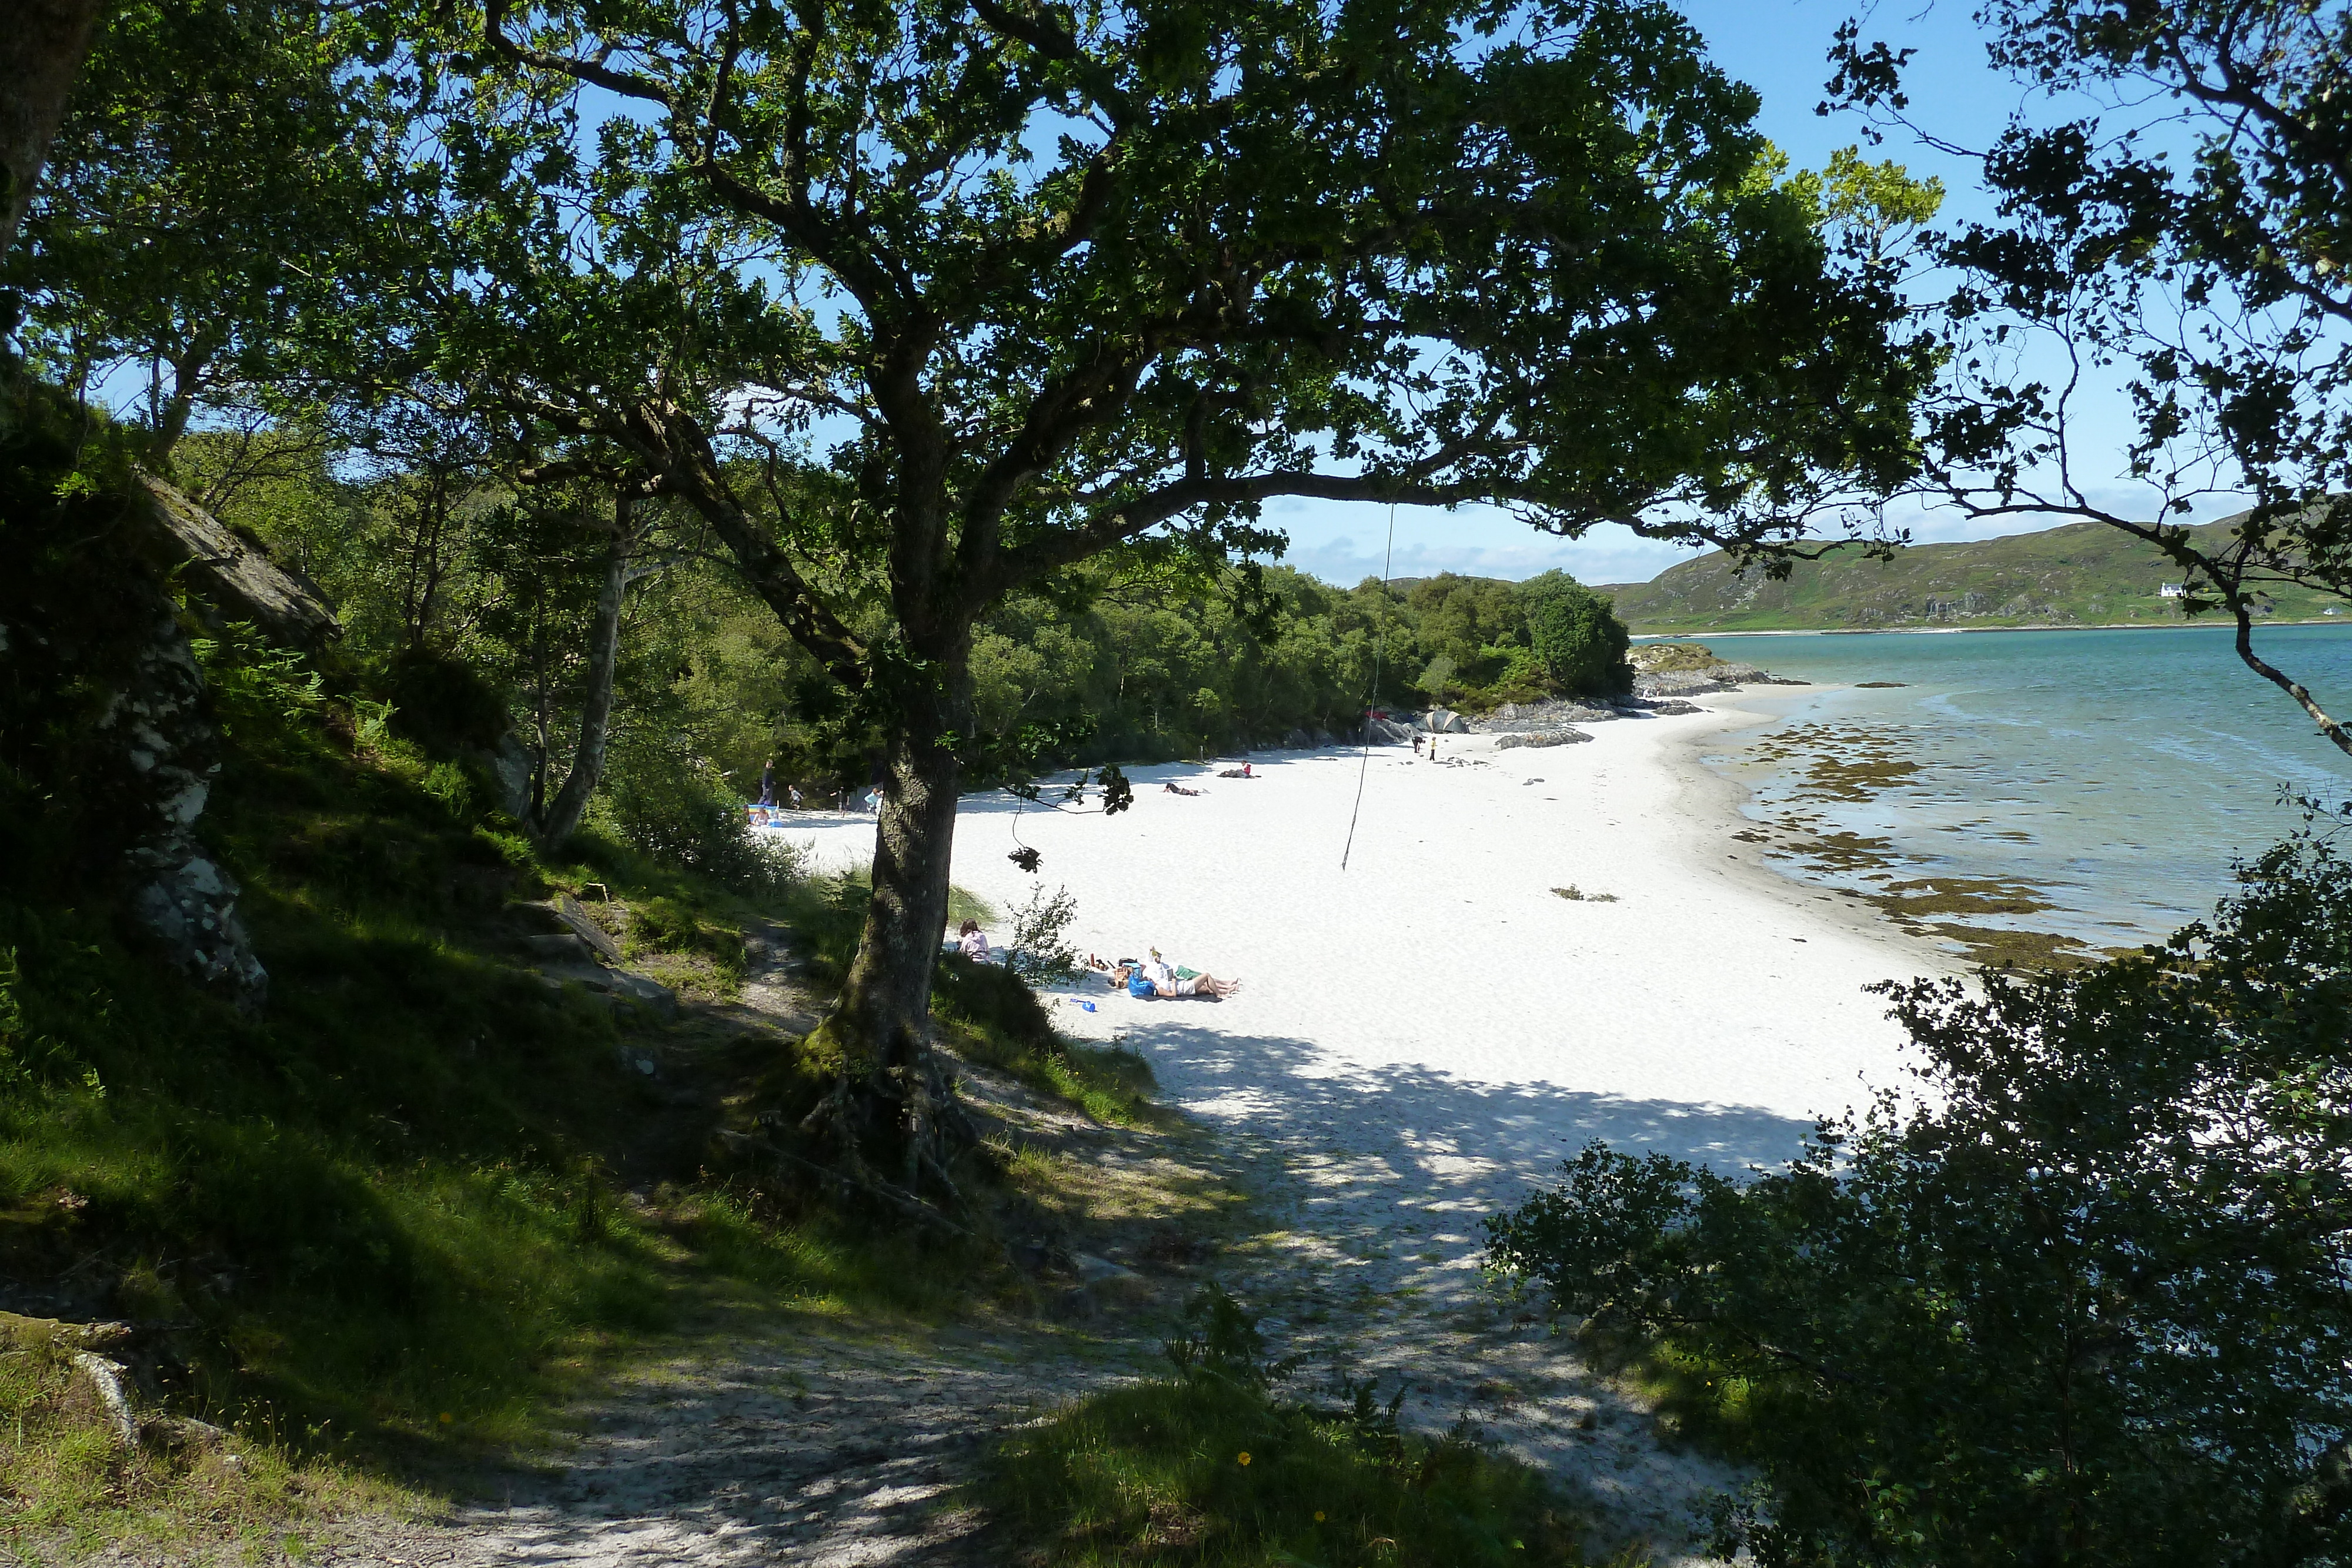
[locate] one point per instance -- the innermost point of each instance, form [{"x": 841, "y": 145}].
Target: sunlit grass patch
[
  {"x": 1201, "y": 1471},
  {"x": 1210, "y": 1468}
]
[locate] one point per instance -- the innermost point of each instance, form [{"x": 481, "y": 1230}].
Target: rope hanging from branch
[{"x": 1379, "y": 651}]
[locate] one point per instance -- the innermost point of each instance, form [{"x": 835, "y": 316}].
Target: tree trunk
[
  {"x": 41, "y": 53},
  {"x": 891, "y": 1104},
  {"x": 562, "y": 818}
]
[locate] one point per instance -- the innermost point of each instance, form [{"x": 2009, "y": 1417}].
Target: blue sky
[{"x": 1779, "y": 48}]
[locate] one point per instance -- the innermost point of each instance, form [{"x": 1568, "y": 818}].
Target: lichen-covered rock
[
  {"x": 1540, "y": 737},
  {"x": 291, "y": 609},
  {"x": 109, "y": 745},
  {"x": 178, "y": 892},
  {"x": 1534, "y": 718},
  {"x": 1680, "y": 684}
]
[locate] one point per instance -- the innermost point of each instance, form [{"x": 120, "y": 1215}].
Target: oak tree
[{"x": 1046, "y": 280}]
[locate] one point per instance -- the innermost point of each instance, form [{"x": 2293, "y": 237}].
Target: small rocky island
[{"x": 1665, "y": 676}]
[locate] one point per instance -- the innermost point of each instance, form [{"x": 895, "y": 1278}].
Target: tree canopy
[
  {"x": 1043, "y": 282},
  {"x": 2179, "y": 223}
]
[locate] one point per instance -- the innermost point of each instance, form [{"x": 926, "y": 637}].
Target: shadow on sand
[{"x": 1406, "y": 1137}]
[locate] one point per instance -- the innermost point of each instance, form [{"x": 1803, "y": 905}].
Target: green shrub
[
  {"x": 1039, "y": 950},
  {"x": 443, "y": 703},
  {"x": 1209, "y": 1467},
  {"x": 1576, "y": 636},
  {"x": 2088, "y": 1305},
  {"x": 683, "y": 814}
]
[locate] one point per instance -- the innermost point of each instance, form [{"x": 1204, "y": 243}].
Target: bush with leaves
[
  {"x": 2088, "y": 1305},
  {"x": 682, "y": 814},
  {"x": 1040, "y": 950},
  {"x": 1209, "y": 1466},
  {"x": 1576, "y": 636}
]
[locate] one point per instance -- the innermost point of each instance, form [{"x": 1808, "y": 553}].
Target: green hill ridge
[{"x": 2084, "y": 574}]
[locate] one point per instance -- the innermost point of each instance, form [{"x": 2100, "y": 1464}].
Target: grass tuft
[{"x": 1206, "y": 1472}]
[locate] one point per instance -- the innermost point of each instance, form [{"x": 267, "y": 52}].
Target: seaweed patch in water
[
  {"x": 1960, "y": 896},
  {"x": 1836, "y": 765},
  {"x": 2000, "y": 949}
]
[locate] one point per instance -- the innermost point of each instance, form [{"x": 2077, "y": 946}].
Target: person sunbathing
[
  {"x": 1241, "y": 772},
  {"x": 1175, "y": 789},
  {"x": 1147, "y": 982}
]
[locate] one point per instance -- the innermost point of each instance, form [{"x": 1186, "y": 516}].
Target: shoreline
[
  {"x": 1951, "y": 631},
  {"x": 1728, "y": 797}
]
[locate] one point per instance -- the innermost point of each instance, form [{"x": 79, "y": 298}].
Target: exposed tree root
[{"x": 846, "y": 1185}]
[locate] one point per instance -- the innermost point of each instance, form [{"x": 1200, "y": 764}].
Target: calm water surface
[{"x": 2123, "y": 770}]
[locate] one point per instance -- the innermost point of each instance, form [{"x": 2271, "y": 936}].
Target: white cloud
[{"x": 1597, "y": 557}]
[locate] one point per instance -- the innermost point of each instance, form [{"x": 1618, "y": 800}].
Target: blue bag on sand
[{"x": 1138, "y": 984}]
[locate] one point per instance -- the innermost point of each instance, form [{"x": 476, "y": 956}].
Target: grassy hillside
[
  {"x": 381, "y": 1225},
  {"x": 2085, "y": 574}
]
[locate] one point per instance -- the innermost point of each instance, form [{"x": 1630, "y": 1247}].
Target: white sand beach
[{"x": 1436, "y": 992}]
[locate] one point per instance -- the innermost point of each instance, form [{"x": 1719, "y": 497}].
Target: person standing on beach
[{"x": 768, "y": 782}]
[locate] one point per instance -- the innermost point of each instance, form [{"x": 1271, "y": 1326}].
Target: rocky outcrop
[
  {"x": 1723, "y": 677},
  {"x": 1652, "y": 658},
  {"x": 1680, "y": 684},
  {"x": 1534, "y": 718},
  {"x": 233, "y": 575},
  {"x": 1540, "y": 737},
  {"x": 156, "y": 722},
  {"x": 157, "y": 715},
  {"x": 567, "y": 944},
  {"x": 111, "y": 752}
]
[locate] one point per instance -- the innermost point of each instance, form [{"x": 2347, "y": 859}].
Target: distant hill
[{"x": 2085, "y": 574}]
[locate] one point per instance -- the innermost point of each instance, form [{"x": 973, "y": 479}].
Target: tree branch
[{"x": 594, "y": 73}]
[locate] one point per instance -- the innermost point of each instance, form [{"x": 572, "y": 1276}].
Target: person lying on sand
[
  {"x": 1241, "y": 772},
  {"x": 1175, "y": 789},
  {"x": 1157, "y": 980}
]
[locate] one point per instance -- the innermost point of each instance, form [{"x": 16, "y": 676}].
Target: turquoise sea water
[{"x": 2122, "y": 771}]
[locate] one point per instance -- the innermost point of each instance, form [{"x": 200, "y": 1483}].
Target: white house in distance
[{"x": 2170, "y": 589}]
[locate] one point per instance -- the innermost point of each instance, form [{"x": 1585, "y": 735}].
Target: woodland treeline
[{"x": 475, "y": 602}]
